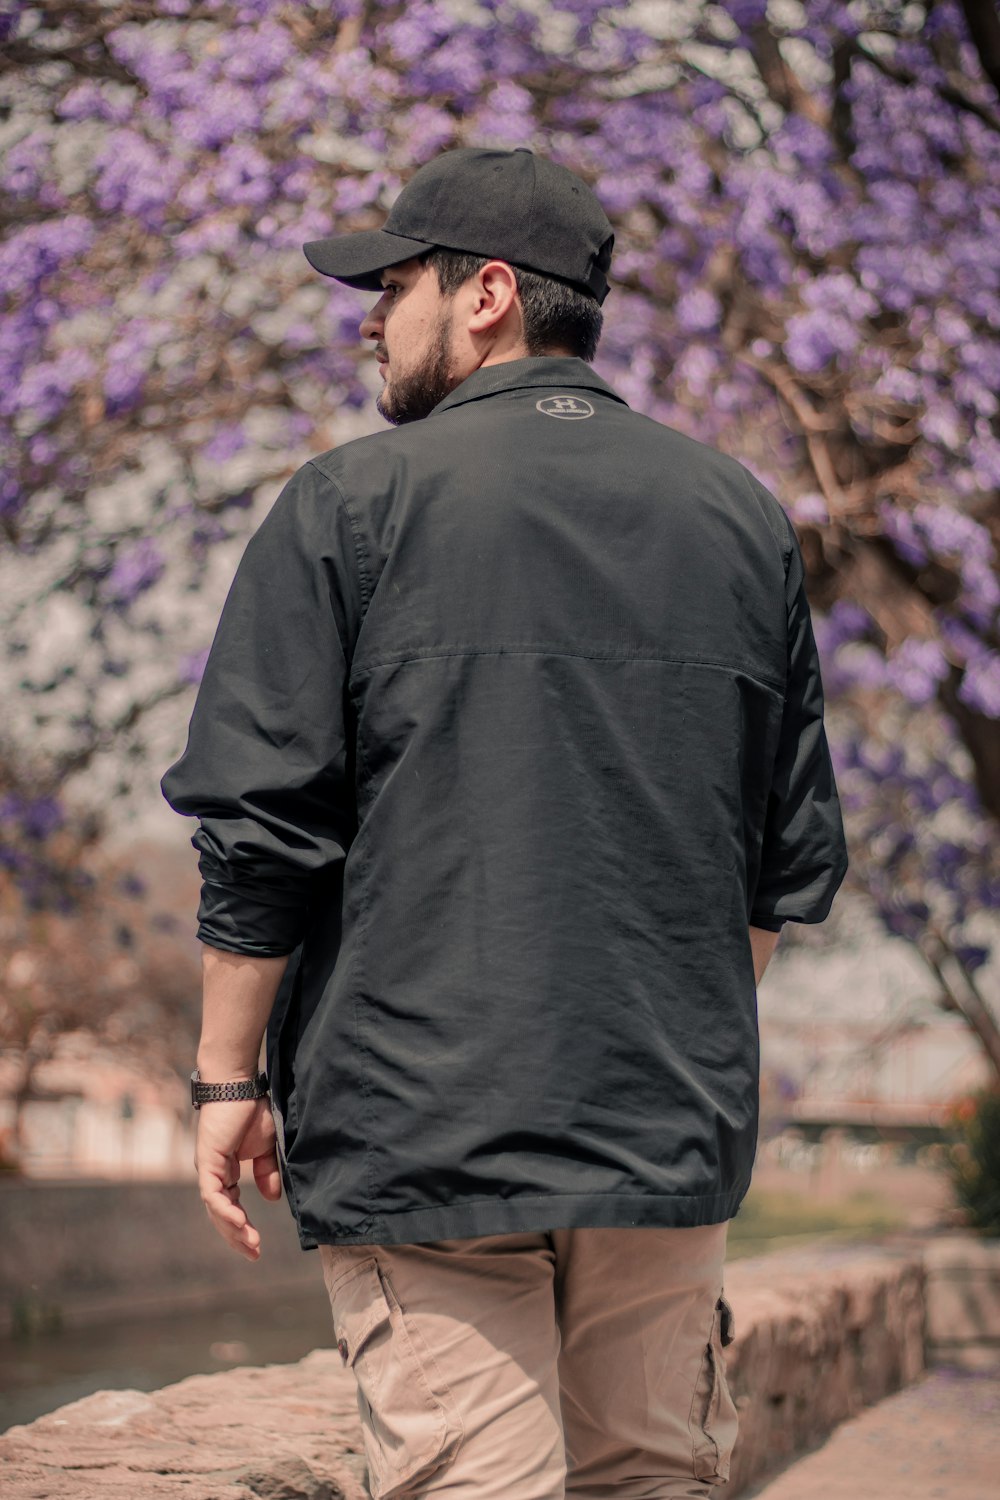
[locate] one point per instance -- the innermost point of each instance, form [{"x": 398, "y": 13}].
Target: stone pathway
[{"x": 938, "y": 1439}]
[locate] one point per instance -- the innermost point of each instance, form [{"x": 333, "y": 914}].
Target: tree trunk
[
  {"x": 970, "y": 1005},
  {"x": 984, "y": 28}
]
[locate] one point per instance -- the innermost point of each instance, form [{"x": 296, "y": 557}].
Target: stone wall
[
  {"x": 78, "y": 1252},
  {"x": 963, "y": 1302},
  {"x": 819, "y": 1334}
]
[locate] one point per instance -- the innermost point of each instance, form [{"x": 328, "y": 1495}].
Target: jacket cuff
[
  {"x": 234, "y": 921},
  {"x": 766, "y": 920}
]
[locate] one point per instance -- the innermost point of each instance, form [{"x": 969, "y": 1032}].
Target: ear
[{"x": 493, "y": 294}]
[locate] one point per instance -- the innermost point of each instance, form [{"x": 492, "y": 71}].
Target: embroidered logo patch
[{"x": 570, "y": 408}]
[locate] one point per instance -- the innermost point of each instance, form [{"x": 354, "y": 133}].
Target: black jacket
[{"x": 511, "y": 725}]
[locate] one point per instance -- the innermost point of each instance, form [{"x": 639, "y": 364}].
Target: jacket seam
[
  {"x": 364, "y": 576},
  {"x": 364, "y": 873},
  {"x": 784, "y": 551},
  {"x": 398, "y": 1213},
  {"x": 431, "y": 653},
  {"x": 364, "y": 914}
]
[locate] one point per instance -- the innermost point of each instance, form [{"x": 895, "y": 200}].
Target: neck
[{"x": 520, "y": 351}]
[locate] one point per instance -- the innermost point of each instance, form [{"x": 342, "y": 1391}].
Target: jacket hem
[{"x": 533, "y": 1215}]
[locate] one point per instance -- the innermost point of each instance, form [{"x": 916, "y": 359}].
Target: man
[{"x": 510, "y": 763}]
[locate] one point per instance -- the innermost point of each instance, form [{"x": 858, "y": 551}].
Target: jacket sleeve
[
  {"x": 268, "y": 768},
  {"x": 804, "y": 851}
]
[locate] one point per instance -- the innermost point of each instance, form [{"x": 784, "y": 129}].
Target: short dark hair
[{"x": 556, "y": 315}]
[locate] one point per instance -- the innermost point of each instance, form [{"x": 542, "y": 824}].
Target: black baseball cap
[{"x": 513, "y": 205}]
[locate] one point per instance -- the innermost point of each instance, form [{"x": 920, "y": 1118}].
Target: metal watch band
[{"x": 212, "y": 1093}]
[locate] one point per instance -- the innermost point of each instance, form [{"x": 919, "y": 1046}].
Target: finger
[
  {"x": 228, "y": 1216},
  {"x": 236, "y": 1229},
  {"x": 267, "y": 1176},
  {"x": 224, "y": 1136}
]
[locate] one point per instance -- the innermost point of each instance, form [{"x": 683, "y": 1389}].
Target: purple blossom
[
  {"x": 949, "y": 531},
  {"x": 430, "y": 130},
  {"x": 811, "y": 509},
  {"x": 980, "y": 590},
  {"x": 984, "y": 451},
  {"x": 12, "y": 497},
  {"x": 840, "y": 293},
  {"x": 210, "y": 123},
  {"x": 698, "y": 311},
  {"x": 35, "y": 818},
  {"x": 33, "y": 254},
  {"x": 844, "y": 621},
  {"x": 272, "y": 54},
  {"x": 25, "y": 164},
  {"x": 916, "y": 668},
  {"x": 506, "y": 116},
  {"x": 243, "y": 175},
  {"x": 964, "y": 644},
  {"x": 980, "y": 685},
  {"x": 970, "y": 392},
  {"x": 132, "y": 178},
  {"x": 973, "y": 956},
  {"x": 353, "y": 194},
  {"x": 217, "y": 235},
  {"x": 129, "y": 357},
  {"x": 225, "y": 442},
  {"x": 698, "y": 368},
  {"x": 813, "y": 339},
  {"x": 191, "y": 668},
  {"x": 135, "y": 569},
  {"x": 90, "y": 100},
  {"x": 942, "y": 424},
  {"x": 804, "y": 142},
  {"x": 46, "y": 388},
  {"x": 747, "y": 13},
  {"x": 859, "y": 664}
]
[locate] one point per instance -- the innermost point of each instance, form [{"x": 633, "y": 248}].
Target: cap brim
[{"x": 358, "y": 259}]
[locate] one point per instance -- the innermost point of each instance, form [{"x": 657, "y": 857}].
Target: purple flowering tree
[{"x": 807, "y": 207}]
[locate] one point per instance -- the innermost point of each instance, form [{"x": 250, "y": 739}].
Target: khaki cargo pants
[{"x": 572, "y": 1362}]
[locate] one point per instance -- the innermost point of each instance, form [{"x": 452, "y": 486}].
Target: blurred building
[
  {"x": 854, "y": 1039},
  {"x": 90, "y": 1114}
]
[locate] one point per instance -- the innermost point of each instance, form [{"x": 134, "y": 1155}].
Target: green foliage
[
  {"x": 32, "y": 1316},
  {"x": 769, "y": 1220},
  {"x": 972, "y": 1160}
]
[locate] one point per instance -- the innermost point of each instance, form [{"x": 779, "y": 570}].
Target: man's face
[{"x": 412, "y": 327}]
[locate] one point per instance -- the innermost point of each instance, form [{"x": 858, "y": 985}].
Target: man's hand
[
  {"x": 230, "y": 1132},
  {"x": 239, "y": 992}
]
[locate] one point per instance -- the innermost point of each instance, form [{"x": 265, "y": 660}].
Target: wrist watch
[{"x": 243, "y": 1088}]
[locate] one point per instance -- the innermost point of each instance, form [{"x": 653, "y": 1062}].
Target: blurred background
[{"x": 806, "y": 201}]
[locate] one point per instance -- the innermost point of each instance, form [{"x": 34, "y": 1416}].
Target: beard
[{"x": 414, "y": 395}]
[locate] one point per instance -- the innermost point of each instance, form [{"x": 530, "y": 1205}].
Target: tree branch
[
  {"x": 946, "y": 91},
  {"x": 983, "y": 21},
  {"x": 78, "y": 760},
  {"x": 971, "y": 1007}
]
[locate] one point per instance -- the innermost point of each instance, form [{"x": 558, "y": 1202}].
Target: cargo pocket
[
  {"x": 714, "y": 1420},
  {"x": 411, "y": 1424}
]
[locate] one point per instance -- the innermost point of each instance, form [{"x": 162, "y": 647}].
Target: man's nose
[{"x": 371, "y": 325}]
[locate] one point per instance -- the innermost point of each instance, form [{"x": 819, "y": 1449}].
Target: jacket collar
[{"x": 561, "y": 372}]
